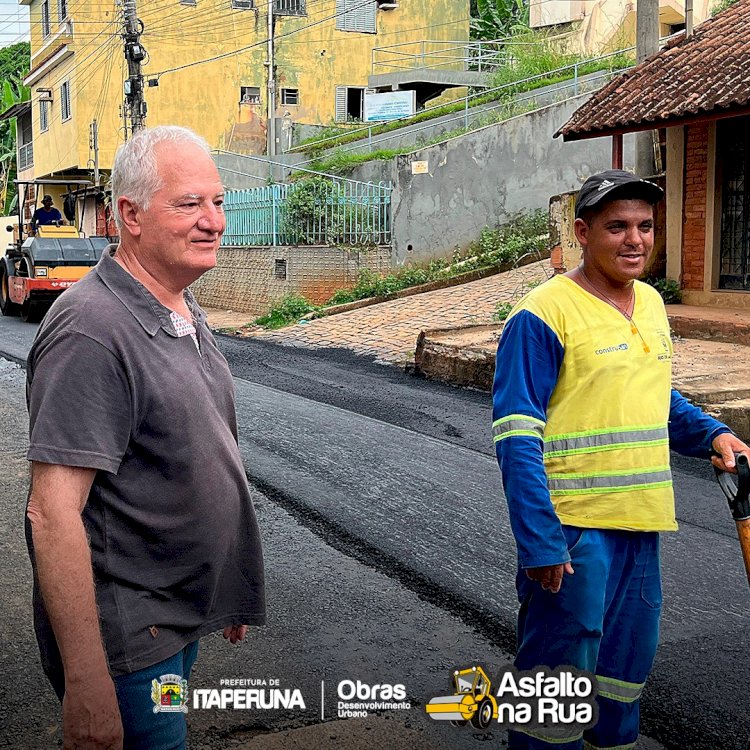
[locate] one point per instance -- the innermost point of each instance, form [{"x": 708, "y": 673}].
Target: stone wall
[{"x": 251, "y": 279}]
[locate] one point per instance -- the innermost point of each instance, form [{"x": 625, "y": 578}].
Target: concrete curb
[
  {"x": 473, "y": 366},
  {"x": 431, "y": 286}
]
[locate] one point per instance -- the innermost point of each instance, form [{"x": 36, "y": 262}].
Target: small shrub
[
  {"x": 668, "y": 288},
  {"x": 288, "y": 309},
  {"x": 502, "y": 311}
]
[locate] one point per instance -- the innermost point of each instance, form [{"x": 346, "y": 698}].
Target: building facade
[
  {"x": 598, "y": 25},
  {"x": 206, "y": 68}
]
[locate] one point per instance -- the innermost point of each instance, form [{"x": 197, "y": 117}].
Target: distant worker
[{"x": 46, "y": 215}]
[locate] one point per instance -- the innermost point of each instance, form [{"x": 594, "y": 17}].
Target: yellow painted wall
[{"x": 206, "y": 97}]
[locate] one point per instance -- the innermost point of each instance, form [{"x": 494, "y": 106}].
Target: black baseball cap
[{"x": 614, "y": 184}]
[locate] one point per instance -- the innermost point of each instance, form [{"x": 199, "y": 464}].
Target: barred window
[
  {"x": 734, "y": 157},
  {"x": 44, "y": 115},
  {"x": 45, "y": 19},
  {"x": 65, "y": 112}
]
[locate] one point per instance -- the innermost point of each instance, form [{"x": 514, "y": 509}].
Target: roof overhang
[
  {"x": 60, "y": 55},
  {"x": 16, "y": 110},
  {"x": 672, "y": 122}
]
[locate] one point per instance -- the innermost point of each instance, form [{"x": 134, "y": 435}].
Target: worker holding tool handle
[{"x": 584, "y": 418}]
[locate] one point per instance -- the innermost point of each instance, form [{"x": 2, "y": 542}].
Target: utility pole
[
  {"x": 647, "y": 43},
  {"x": 94, "y": 146},
  {"x": 271, "y": 85},
  {"x": 135, "y": 104}
]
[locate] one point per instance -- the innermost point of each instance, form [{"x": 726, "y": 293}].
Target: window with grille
[
  {"x": 44, "y": 115},
  {"x": 734, "y": 157},
  {"x": 290, "y": 96},
  {"x": 243, "y": 4},
  {"x": 65, "y": 101},
  {"x": 45, "y": 19},
  {"x": 290, "y": 7},
  {"x": 62, "y": 10},
  {"x": 352, "y": 15},
  {"x": 249, "y": 95},
  {"x": 279, "y": 269}
]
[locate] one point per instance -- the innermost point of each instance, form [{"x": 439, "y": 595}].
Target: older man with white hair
[{"x": 140, "y": 525}]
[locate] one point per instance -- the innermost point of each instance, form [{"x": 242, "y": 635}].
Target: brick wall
[
  {"x": 245, "y": 278},
  {"x": 694, "y": 206}
]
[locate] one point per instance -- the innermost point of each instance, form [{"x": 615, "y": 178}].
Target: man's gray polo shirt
[{"x": 175, "y": 545}]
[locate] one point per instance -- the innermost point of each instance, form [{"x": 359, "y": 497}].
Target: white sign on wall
[{"x": 390, "y": 106}]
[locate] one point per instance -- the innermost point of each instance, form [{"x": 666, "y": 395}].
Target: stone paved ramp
[{"x": 388, "y": 331}]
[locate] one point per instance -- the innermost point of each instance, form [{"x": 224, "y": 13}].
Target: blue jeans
[
  {"x": 143, "y": 728},
  {"x": 604, "y": 620}
]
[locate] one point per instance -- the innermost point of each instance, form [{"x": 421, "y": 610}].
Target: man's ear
[
  {"x": 130, "y": 215},
  {"x": 581, "y": 229}
]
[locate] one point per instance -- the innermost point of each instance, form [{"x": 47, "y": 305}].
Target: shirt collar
[{"x": 141, "y": 304}]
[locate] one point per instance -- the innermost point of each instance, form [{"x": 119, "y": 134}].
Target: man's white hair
[{"x": 134, "y": 172}]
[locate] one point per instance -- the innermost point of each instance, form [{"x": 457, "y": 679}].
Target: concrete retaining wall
[
  {"x": 484, "y": 178},
  {"x": 245, "y": 278}
]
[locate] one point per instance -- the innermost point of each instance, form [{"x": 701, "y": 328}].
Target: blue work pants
[{"x": 604, "y": 620}]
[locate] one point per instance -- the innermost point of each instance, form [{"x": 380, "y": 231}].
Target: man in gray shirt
[{"x": 140, "y": 525}]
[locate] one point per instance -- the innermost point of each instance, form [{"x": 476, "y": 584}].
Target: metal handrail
[
  {"x": 466, "y": 99},
  {"x": 462, "y": 115}
]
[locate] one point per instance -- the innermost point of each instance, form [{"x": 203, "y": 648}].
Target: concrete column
[{"x": 647, "y": 43}]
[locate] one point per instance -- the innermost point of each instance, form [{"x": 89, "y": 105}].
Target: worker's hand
[
  {"x": 727, "y": 445},
  {"x": 235, "y": 633},
  {"x": 91, "y": 716},
  {"x": 550, "y": 576}
]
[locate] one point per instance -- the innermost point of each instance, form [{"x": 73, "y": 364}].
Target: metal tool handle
[{"x": 737, "y": 492}]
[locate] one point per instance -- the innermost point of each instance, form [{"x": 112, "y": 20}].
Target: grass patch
[{"x": 344, "y": 162}]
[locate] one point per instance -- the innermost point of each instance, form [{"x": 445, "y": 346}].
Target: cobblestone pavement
[{"x": 389, "y": 331}]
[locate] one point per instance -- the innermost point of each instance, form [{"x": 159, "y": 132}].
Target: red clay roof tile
[{"x": 708, "y": 71}]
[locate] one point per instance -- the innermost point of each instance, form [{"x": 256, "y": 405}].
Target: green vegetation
[
  {"x": 721, "y": 5},
  {"x": 506, "y": 244},
  {"x": 494, "y": 19},
  {"x": 536, "y": 56},
  {"x": 502, "y": 311},
  {"x": 668, "y": 288},
  {"x": 344, "y": 162},
  {"x": 14, "y": 65},
  {"x": 288, "y": 310}
]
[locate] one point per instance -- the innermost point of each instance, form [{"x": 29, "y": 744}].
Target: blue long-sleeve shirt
[{"x": 529, "y": 359}]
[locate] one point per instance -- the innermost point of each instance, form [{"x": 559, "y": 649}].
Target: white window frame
[
  {"x": 62, "y": 10},
  {"x": 285, "y": 93},
  {"x": 44, "y": 107},
  {"x": 46, "y": 29},
  {"x": 360, "y": 18},
  {"x": 65, "y": 108}
]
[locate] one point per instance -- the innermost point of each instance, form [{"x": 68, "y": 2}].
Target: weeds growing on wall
[{"x": 287, "y": 310}]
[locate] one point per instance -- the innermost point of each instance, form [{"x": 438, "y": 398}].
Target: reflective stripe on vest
[
  {"x": 589, "y": 746},
  {"x": 517, "y": 424},
  {"x": 557, "y": 735},
  {"x": 619, "y": 690},
  {"x": 605, "y": 440},
  {"x": 616, "y": 481}
]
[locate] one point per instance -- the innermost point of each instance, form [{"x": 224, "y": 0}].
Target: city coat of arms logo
[{"x": 169, "y": 694}]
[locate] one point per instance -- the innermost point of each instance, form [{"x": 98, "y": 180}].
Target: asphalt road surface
[{"x": 396, "y": 476}]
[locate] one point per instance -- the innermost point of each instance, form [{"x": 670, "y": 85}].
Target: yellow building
[
  {"x": 598, "y": 25},
  {"x": 206, "y": 68}
]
